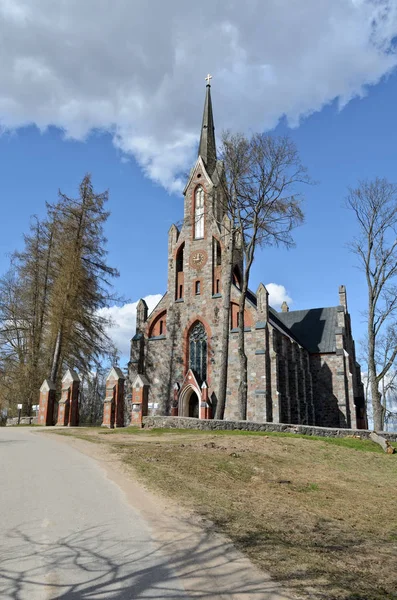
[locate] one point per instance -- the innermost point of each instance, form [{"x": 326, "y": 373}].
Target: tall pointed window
[
  {"x": 199, "y": 213},
  {"x": 179, "y": 281},
  {"x": 198, "y": 351}
]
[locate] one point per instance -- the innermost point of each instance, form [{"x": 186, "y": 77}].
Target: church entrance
[
  {"x": 189, "y": 403},
  {"x": 193, "y": 405}
]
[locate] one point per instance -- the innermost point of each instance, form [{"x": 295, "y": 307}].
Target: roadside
[
  {"x": 206, "y": 562},
  {"x": 319, "y": 515}
]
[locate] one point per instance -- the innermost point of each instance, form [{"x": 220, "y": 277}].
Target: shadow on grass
[{"x": 322, "y": 582}]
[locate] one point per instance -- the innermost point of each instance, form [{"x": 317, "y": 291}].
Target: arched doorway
[
  {"x": 189, "y": 403},
  {"x": 193, "y": 405}
]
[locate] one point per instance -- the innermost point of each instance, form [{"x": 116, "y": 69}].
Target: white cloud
[
  {"x": 136, "y": 68},
  {"x": 277, "y": 295},
  {"x": 124, "y": 321}
]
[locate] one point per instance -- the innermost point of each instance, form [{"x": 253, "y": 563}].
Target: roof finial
[{"x": 208, "y": 79}]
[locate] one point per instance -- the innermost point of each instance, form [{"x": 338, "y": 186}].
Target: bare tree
[
  {"x": 263, "y": 206},
  {"x": 232, "y": 167},
  {"x": 14, "y": 335},
  {"x": 374, "y": 204}
]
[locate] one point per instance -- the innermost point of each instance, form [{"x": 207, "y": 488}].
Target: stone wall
[
  {"x": 324, "y": 369},
  {"x": 24, "y": 421},
  {"x": 214, "y": 425}
]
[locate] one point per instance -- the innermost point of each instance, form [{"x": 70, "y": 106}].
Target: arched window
[
  {"x": 179, "y": 281},
  {"x": 159, "y": 325},
  {"x": 198, "y": 351},
  {"x": 216, "y": 266},
  {"x": 199, "y": 213}
]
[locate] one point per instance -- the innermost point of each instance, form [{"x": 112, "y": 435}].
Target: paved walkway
[{"x": 68, "y": 532}]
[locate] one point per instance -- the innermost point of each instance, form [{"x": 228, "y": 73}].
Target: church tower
[{"x": 183, "y": 332}]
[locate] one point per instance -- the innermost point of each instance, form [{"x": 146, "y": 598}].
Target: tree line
[{"x": 51, "y": 295}]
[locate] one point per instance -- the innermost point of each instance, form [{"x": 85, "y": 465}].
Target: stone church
[{"x": 301, "y": 364}]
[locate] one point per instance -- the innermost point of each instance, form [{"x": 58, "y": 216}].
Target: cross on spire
[{"x": 208, "y": 79}]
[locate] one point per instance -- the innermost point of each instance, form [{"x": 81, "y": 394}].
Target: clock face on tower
[{"x": 198, "y": 258}]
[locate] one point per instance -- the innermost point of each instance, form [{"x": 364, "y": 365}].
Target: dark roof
[
  {"x": 313, "y": 328},
  {"x": 251, "y": 296},
  {"x": 274, "y": 320},
  {"x": 207, "y": 147}
]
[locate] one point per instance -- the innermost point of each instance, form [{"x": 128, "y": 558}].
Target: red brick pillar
[
  {"x": 68, "y": 408},
  {"x": 46, "y": 403},
  {"x": 108, "y": 408},
  {"x": 175, "y": 401},
  {"x": 113, "y": 408},
  {"x": 140, "y": 397},
  {"x": 205, "y": 408}
]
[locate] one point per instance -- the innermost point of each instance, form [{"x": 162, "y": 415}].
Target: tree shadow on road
[{"x": 95, "y": 564}]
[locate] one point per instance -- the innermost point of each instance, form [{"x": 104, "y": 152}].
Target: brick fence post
[
  {"x": 46, "y": 403},
  {"x": 205, "y": 408},
  {"x": 140, "y": 397},
  {"x": 68, "y": 409},
  {"x": 113, "y": 408}
]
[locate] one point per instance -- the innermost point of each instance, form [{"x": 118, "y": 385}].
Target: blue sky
[{"x": 140, "y": 155}]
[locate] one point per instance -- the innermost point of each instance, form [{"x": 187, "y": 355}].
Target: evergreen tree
[
  {"x": 49, "y": 299},
  {"x": 81, "y": 280}
]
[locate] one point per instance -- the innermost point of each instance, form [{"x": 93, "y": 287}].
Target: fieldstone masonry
[
  {"x": 301, "y": 364},
  {"x": 215, "y": 425}
]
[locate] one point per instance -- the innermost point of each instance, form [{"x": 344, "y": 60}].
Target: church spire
[{"x": 207, "y": 147}]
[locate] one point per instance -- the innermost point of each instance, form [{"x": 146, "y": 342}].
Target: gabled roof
[
  {"x": 70, "y": 375},
  {"x": 199, "y": 165},
  {"x": 314, "y": 328},
  {"x": 115, "y": 373},
  {"x": 141, "y": 380},
  {"x": 47, "y": 385}
]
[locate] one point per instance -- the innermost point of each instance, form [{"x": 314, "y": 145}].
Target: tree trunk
[
  {"x": 377, "y": 409},
  {"x": 376, "y": 396},
  {"x": 224, "y": 349},
  {"x": 56, "y": 356},
  {"x": 243, "y": 385}
]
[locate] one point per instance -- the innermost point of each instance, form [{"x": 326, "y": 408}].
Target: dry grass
[{"x": 318, "y": 515}]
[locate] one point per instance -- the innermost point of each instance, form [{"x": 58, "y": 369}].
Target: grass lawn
[{"x": 318, "y": 514}]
